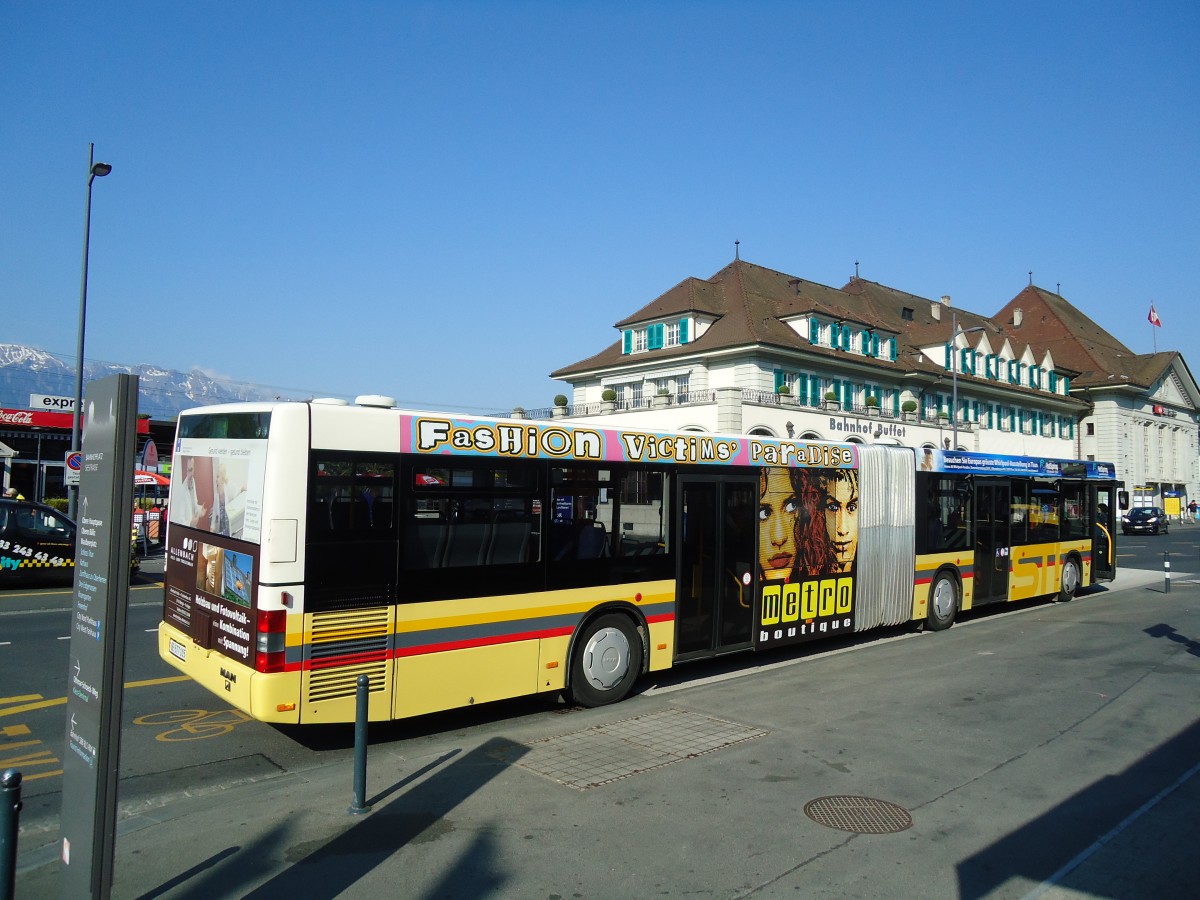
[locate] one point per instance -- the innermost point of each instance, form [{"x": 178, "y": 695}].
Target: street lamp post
[
  {"x": 95, "y": 169},
  {"x": 955, "y": 331}
]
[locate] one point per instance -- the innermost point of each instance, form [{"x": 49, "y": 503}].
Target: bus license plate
[{"x": 178, "y": 650}]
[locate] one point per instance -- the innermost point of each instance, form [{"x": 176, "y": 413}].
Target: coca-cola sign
[{"x": 31, "y": 417}]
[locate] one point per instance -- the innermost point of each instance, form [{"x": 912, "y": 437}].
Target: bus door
[
  {"x": 1104, "y": 550},
  {"x": 993, "y": 556},
  {"x": 717, "y": 528}
]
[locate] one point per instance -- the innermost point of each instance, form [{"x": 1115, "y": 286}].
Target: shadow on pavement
[
  {"x": 328, "y": 866},
  {"x": 1036, "y": 850}
]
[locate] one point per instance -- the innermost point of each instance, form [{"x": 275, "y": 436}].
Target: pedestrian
[
  {"x": 1192, "y": 508},
  {"x": 13, "y": 494}
]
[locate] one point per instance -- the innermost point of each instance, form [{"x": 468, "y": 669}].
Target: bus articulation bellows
[{"x": 456, "y": 560}]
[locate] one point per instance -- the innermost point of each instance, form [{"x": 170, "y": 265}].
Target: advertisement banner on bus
[
  {"x": 808, "y": 545},
  {"x": 217, "y": 486},
  {"x": 930, "y": 459},
  {"x": 448, "y": 435},
  {"x": 209, "y": 591}
]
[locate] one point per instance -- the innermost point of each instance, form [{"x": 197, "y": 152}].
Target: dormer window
[
  {"x": 654, "y": 337},
  {"x": 906, "y": 314}
]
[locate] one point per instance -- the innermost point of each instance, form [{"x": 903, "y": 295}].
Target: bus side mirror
[{"x": 1123, "y": 499}]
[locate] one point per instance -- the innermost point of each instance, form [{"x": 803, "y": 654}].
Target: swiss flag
[{"x": 1153, "y": 317}]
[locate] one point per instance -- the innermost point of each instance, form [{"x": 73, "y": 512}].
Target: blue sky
[{"x": 443, "y": 202}]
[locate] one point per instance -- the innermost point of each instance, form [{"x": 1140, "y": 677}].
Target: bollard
[
  {"x": 10, "y": 821},
  {"x": 1167, "y": 571},
  {"x": 359, "y": 805}
]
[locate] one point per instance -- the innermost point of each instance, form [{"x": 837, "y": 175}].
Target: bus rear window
[{"x": 242, "y": 425}]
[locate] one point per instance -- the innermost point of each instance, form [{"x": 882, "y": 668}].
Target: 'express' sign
[{"x": 47, "y": 401}]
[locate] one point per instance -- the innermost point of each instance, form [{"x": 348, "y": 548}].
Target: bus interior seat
[
  {"x": 467, "y": 544},
  {"x": 425, "y": 545},
  {"x": 510, "y": 542},
  {"x": 592, "y": 542}
]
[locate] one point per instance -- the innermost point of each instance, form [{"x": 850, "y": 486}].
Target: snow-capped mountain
[{"x": 162, "y": 393}]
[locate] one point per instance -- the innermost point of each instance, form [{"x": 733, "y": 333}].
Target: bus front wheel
[
  {"x": 606, "y": 662},
  {"x": 943, "y": 602},
  {"x": 1069, "y": 582}
]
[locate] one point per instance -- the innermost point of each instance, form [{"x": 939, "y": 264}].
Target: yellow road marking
[
  {"x": 60, "y": 701},
  {"x": 6, "y": 747},
  {"x": 25, "y": 777},
  {"x": 27, "y": 707},
  {"x": 42, "y": 758},
  {"x": 21, "y": 699}
]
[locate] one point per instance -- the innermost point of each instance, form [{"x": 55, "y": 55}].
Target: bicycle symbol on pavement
[{"x": 193, "y": 724}]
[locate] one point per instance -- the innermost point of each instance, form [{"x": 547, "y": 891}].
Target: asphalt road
[
  {"x": 178, "y": 736},
  {"x": 1035, "y": 750}
]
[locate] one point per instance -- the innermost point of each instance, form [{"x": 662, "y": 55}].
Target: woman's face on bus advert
[
  {"x": 776, "y": 525},
  {"x": 841, "y": 516}
]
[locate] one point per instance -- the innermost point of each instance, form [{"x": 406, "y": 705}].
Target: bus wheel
[
  {"x": 606, "y": 662},
  {"x": 943, "y": 602},
  {"x": 1070, "y": 580}
]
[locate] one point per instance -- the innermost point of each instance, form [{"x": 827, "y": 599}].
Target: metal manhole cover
[{"x": 862, "y": 815}]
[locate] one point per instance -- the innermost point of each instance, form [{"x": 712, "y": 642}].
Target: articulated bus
[{"x": 457, "y": 560}]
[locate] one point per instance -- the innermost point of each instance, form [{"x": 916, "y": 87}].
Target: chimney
[
  {"x": 945, "y": 299},
  {"x": 935, "y": 310},
  {"x": 1018, "y": 317}
]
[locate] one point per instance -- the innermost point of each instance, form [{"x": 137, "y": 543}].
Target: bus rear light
[{"x": 271, "y": 643}]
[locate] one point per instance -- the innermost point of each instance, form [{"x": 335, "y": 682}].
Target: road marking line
[
  {"x": 21, "y": 699},
  {"x": 25, "y": 777},
  {"x": 60, "y": 701}
]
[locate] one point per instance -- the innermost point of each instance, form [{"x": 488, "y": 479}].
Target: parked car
[
  {"x": 1144, "y": 520},
  {"x": 37, "y": 544}
]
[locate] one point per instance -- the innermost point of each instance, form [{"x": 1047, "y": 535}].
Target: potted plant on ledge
[
  {"x": 831, "y": 400},
  {"x": 609, "y": 396},
  {"x": 872, "y": 404},
  {"x": 560, "y": 406},
  {"x": 908, "y": 410},
  {"x": 783, "y": 394}
]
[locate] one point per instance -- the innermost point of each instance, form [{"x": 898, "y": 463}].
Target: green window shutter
[
  {"x": 1071, "y": 427},
  {"x": 814, "y": 391},
  {"x": 683, "y": 331},
  {"x": 801, "y": 387},
  {"x": 845, "y": 337},
  {"x": 895, "y": 402},
  {"x": 1054, "y": 382},
  {"x": 780, "y": 380},
  {"x": 628, "y": 343},
  {"x": 814, "y": 331},
  {"x": 892, "y": 349},
  {"x": 654, "y": 337},
  {"x": 975, "y": 411},
  {"x": 866, "y": 343},
  {"x": 991, "y": 420},
  {"x": 847, "y": 395},
  {"x": 1066, "y": 385}
]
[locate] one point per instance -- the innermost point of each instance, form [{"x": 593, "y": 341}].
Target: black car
[
  {"x": 37, "y": 543},
  {"x": 1144, "y": 520}
]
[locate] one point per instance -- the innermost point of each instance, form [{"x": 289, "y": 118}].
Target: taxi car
[{"x": 37, "y": 544}]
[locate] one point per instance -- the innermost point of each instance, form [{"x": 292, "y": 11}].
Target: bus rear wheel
[
  {"x": 606, "y": 662},
  {"x": 943, "y": 602},
  {"x": 1069, "y": 582}
]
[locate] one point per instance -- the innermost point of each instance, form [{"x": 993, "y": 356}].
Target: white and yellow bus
[{"x": 457, "y": 560}]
